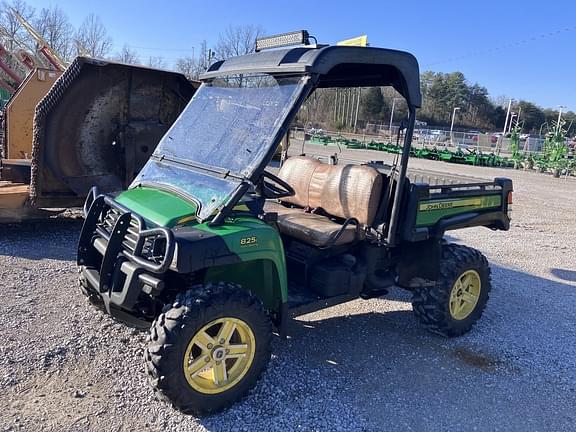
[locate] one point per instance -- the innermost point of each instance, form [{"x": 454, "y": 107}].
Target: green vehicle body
[
  {"x": 261, "y": 265},
  {"x": 258, "y": 246},
  {"x": 431, "y": 212}
]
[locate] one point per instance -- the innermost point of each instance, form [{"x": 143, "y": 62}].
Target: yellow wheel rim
[
  {"x": 219, "y": 355},
  {"x": 465, "y": 294}
]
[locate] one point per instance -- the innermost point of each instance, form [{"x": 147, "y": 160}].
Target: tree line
[
  {"x": 371, "y": 108},
  {"x": 442, "y": 92}
]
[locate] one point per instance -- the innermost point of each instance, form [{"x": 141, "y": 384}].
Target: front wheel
[
  {"x": 208, "y": 349},
  {"x": 456, "y": 302}
]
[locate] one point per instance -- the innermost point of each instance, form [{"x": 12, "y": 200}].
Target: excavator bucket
[{"x": 98, "y": 125}]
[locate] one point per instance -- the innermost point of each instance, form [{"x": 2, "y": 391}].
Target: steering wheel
[{"x": 276, "y": 187}]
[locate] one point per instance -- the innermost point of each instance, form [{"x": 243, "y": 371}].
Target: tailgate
[{"x": 432, "y": 210}]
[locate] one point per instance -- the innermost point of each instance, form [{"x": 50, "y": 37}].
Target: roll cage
[{"x": 328, "y": 67}]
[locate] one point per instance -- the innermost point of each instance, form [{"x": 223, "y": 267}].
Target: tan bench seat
[
  {"x": 340, "y": 191},
  {"x": 310, "y": 228}
]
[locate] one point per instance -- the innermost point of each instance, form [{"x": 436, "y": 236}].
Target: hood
[{"x": 159, "y": 207}]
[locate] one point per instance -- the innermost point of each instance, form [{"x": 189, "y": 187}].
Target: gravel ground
[{"x": 361, "y": 366}]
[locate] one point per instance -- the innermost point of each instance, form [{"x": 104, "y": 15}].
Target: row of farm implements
[{"x": 556, "y": 157}]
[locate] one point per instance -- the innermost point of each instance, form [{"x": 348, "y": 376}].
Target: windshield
[{"x": 227, "y": 128}]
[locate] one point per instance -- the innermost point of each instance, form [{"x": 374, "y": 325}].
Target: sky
[{"x": 521, "y": 50}]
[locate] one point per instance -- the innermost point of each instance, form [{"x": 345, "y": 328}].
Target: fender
[{"x": 243, "y": 250}]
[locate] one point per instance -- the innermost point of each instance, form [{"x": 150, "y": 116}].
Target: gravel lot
[{"x": 361, "y": 366}]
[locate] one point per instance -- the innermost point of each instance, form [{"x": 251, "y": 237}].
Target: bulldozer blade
[{"x": 98, "y": 125}]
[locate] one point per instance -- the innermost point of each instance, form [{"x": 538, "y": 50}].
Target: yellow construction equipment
[
  {"x": 20, "y": 108},
  {"x": 96, "y": 123},
  {"x": 18, "y": 125}
]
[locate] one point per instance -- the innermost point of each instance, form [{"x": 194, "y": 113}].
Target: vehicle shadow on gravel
[
  {"x": 51, "y": 239},
  {"x": 389, "y": 364}
]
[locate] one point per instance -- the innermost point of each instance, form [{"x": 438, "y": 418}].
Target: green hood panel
[
  {"x": 256, "y": 247},
  {"x": 159, "y": 207}
]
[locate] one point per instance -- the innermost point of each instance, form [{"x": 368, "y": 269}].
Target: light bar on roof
[{"x": 300, "y": 37}]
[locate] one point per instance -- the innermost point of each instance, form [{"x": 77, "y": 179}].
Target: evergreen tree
[{"x": 373, "y": 104}]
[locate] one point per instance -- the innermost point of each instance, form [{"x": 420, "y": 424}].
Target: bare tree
[
  {"x": 237, "y": 40},
  {"x": 54, "y": 26},
  {"x": 12, "y": 28},
  {"x": 203, "y": 61},
  {"x": 156, "y": 62},
  {"x": 187, "y": 66},
  {"x": 127, "y": 55},
  {"x": 193, "y": 66},
  {"x": 14, "y": 36},
  {"x": 92, "y": 35}
]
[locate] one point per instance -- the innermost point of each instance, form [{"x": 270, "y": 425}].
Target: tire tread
[
  {"x": 190, "y": 307},
  {"x": 429, "y": 303}
]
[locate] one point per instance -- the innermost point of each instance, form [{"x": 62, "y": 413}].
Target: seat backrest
[
  {"x": 345, "y": 191},
  {"x": 297, "y": 171}
]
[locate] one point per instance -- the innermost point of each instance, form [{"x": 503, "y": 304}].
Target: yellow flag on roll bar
[{"x": 357, "y": 41}]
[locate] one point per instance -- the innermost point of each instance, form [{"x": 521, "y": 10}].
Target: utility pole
[
  {"x": 354, "y": 94},
  {"x": 347, "y": 113},
  {"x": 342, "y": 106},
  {"x": 507, "y": 115},
  {"x": 349, "y": 103},
  {"x": 335, "y": 105},
  {"x": 559, "y": 118},
  {"x": 452, "y": 124},
  {"x": 392, "y": 117},
  {"x": 339, "y": 102},
  {"x": 357, "y": 108}
]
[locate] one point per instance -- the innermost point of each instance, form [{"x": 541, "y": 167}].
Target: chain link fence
[
  {"x": 483, "y": 142},
  {"x": 438, "y": 138}
]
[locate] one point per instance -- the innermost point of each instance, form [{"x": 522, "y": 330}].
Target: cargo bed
[{"x": 431, "y": 177}]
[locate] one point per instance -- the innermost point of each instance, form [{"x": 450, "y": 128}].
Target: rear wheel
[
  {"x": 208, "y": 349},
  {"x": 456, "y": 302}
]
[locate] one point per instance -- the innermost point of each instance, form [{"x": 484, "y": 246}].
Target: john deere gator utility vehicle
[{"x": 212, "y": 251}]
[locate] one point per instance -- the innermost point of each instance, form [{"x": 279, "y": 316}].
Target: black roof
[{"x": 336, "y": 66}]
